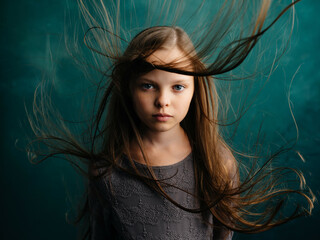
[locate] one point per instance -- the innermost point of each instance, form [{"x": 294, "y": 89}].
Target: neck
[
  {"x": 162, "y": 148},
  {"x": 164, "y": 139}
]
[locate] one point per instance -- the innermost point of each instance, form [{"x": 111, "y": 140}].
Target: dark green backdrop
[{"x": 34, "y": 199}]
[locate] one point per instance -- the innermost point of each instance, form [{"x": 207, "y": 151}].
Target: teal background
[{"x": 34, "y": 198}]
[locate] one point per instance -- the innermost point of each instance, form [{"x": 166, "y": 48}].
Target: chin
[{"x": 160, "y": 128}]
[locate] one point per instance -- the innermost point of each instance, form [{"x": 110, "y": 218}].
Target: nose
[{"x": 162, "y": 99}]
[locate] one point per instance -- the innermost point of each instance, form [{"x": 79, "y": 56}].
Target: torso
[{"x": 139, "y": 211}]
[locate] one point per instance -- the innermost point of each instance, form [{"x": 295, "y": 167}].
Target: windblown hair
[{"x": 248, "y": 203}]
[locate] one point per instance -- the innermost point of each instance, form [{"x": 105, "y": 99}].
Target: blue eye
[
  {"x": 147, "y": 86},
  {"x": 178, "y": 87}
]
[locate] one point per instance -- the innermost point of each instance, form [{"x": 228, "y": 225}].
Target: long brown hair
[{"x": 250, "y": 203}]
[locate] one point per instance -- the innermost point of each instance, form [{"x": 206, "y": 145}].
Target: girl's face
[{"x": 161, "y": 99}]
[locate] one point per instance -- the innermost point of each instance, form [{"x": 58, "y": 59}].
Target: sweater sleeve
[
  {"x": 222, "y": 233},
  {"x": 230, "y": 164},
  {"x": 100, "y": 212}
]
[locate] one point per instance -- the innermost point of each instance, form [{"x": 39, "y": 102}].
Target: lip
[{"x": 161, "y": 117}]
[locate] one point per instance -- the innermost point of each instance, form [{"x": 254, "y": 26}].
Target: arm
[
  {"x": 232, "y": 173},
  {"x": 100, "y": 212}
]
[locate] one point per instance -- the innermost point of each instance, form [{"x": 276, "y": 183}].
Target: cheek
[
  {"x": 184, "y": 104},
  {"x": 141, "y": 103}
]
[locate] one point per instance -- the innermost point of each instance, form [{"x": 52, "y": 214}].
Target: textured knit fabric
[{"x": 132, "y": 210}]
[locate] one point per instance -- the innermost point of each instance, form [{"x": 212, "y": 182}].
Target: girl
[
  {"x": 163, "y": 170},
  {"x": 169, "y": 134}
]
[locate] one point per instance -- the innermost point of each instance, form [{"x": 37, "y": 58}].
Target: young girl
[
  {"x": 162, "y": 133},
  {"x": 164, "y": 170}
]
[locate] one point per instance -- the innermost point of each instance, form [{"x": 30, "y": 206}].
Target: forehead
[
  {"x": 164, "y": 77},
  {"x": 170, "y": 55}
]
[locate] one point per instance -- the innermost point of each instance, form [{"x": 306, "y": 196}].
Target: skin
[{"x": 155, "y": 95}]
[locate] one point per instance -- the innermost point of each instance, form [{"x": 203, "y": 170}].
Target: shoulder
[
  {"x": 229, "y": 163},
  {"x": 226, "y": 156},
  {"x": 99, "y": 173}
]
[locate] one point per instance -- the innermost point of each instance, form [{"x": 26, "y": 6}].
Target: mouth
[{"x": 161, "y": 117}]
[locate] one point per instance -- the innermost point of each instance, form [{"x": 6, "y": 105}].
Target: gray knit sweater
[{"x": 130, "y": 209}]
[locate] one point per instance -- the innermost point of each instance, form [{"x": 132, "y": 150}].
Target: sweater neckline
[{"x": 138, "y": 164}]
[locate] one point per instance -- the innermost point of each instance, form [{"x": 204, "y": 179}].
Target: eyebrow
[{"x": 174, "y": 81}]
